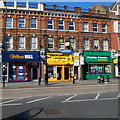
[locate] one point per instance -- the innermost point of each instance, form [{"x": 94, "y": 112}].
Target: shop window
[
  {"x": 105, "y": 44},
  {"x": 33, "y": 23},
  {"x": 9, "y": 42},
  {"x": 86, "y": 44},
  {"x": 107, "y": 69},
  {"x": 100, "y": 69},
  {"x": 61, "y": 25},
  {"x": 50, "y": 43},
  {"x": 85, "y": 27},
  {"x": 21, "y": 22},
  {"x": 51, "y": 71},
  {"x": 93, "y": 69},
  {"x": 49, "y": 24},
  {"x": 33, "y": 42},
  {"x": 95, "y": 27},
  {"x": 9, "y": 22},
  {"x": 61, "y": 43},
  {"x": 21, "y": 42}
]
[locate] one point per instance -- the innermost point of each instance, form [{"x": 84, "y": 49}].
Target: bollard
[
  {"x": 107, "y": 78},
  {"x": 39, "y": 81},
  {"x": 73, "y": 80}
]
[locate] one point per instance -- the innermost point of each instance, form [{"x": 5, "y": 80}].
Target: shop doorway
[
  {"x": 66, "y": 73},
  {"x": 34, "y": 74},
  {"x": 59, "y": 73}
]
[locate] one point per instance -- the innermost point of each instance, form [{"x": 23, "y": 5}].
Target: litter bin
[{"x": 99, "y": 80}]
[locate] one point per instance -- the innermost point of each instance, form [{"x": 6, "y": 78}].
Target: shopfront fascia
[
  {"x": 60, "y": 66},
  {"x": 97, "y": 64},
  {"x": 22, "y": 66}
]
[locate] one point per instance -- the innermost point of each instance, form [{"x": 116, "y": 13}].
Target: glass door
[
  {"x": 66, "y": 73},
  {"x": 59, "y": 73}
]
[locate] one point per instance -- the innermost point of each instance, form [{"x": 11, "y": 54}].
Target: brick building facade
[{"x": 28, "y": 27}]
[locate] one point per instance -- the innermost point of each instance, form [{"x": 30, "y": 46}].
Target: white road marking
[
  {"x": 86, "y": 100},
  {"x": 71, "y": 97},
  {"x": 11, "y": 100},
  {"x": 97, "y": 96},
  {"x": 39, "y": 99},
  {"x": 10, "y": 104}
]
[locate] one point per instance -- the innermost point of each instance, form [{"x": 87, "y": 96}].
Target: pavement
[{"x": 34, "y": 84}]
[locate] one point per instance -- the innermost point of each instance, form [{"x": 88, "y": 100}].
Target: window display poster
[
  {"x": 20, "y": 72},
  {"x": 100, "y": 69},
  {"x": 14, "y": 72},
  {"x": 107, "y": 69},
  {"x": 93, "y": 69}
]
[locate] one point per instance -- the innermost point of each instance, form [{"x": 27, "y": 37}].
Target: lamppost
[
  {"x": 4, "y": 50},
  {"x": 46, "y": 50}
]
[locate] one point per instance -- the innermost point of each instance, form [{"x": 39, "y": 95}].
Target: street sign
[{"x": 65, "y": 50}]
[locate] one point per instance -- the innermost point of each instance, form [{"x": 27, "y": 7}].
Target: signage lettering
[{"x": 16, "y": 56}]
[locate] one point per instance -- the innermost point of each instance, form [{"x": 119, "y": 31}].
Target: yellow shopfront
[{"x": 60, "y": 66}]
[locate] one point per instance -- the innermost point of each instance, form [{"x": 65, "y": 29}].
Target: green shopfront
[{"x": 97, "y": 64}]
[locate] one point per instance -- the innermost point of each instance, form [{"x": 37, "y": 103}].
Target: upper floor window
[
  {"x": 49, "y": 24},
  {"x": 105, "y": 44},
  {"x": 95, "y": 27},
  {"x": 71, "y": 25},
  {"x": 104, "y": 28},
  {"x": 85, "y": 27},
  {"x": 61, "y": 43},
  {"x": 61, "y": 25},
  {"x": 50, "y": 43},
  {"x": 86, "y": 44},
  {"x": 33, "y": 23},
  {"x": 118, "y": 27},
  {"x": 96, "y": 44},
  {"x": 72, "y": 43},
  {"x": 33, "y": 43},
  {"x": 9, "y": 42},
  {"x": 21, "y": 42},
  {"x": 21, "y": 22},
  {"x": 9, "y": 22},
  {"x": 119, "y": 43}
]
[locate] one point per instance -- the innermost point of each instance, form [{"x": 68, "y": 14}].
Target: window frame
[
  {"x": 72, "y": 43},
  {"x": 19, "y": 23},
  {"x": 23, "y": 42},
  {"x": 10, "y": 42},
  {"x": 105, "y": 44},
  {"x": 95, "y": 27},
  {"x": 33, "y": 23},
  {"x": 9, "y": 22},
  {"x": 88, "y": 46},
  {"x": 50, "y": 24},
  {"x": 61, "y": 43},
  {"x": 73, "y": 25},
  {"x": 96, "y": 43},
  {"x": 104, "y": 28},
  {"x": 50, "y": 43},
  {"x": 36, "y": 42},
  {"x": 60, "y": 25},
  {"x": 85, "y": 27}
]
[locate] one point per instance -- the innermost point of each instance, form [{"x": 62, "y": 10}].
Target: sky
[{"x": 85, "y": 4}]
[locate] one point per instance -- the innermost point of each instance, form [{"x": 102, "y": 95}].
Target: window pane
[
  {"x": 49, "y": 21},
  {"x": 70, "y": 22},
  {"x": 60, "y": 22}
]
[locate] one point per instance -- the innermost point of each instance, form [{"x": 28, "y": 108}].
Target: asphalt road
[{"x": 78, "y": 105}]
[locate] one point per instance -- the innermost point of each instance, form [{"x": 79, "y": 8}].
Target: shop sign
[
  {"x": 62, "y": 59},
  {"x": 97, "y": 58},
  {"x": 66, "y": 50},
  {"x": 76, "y": 59},
  {"x": 21, "y": 56},
  {"x": 115, "y": 61}
]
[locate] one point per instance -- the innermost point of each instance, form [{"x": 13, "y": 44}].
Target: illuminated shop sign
[{"x": 21, "y": 56}]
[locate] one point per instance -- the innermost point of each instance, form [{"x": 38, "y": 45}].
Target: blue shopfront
[{"x": 22, "y": 66}]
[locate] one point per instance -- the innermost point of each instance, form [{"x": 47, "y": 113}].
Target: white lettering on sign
[
  {"x": 95, "y": 57},
  {"x": 28, "y": 56}
]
